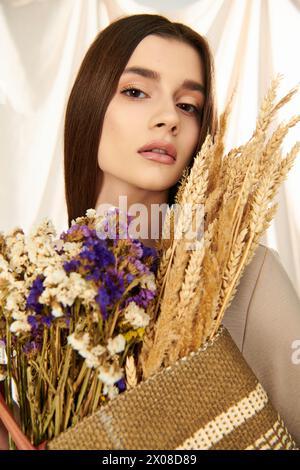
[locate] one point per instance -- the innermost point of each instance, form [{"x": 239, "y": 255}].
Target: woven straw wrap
[{"x": 208, "y": 400}]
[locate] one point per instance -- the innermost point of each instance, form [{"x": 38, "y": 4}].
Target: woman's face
[{"x": 156, "y": 109}]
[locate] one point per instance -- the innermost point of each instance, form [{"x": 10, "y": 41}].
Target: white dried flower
[
  {"x": 92, "y": 356},
  {"x": 116, "y": 345},
  {"x": 55, "y": 277},
  {"x": 136, "y": 316},
  {"x": 88, "y": 295},
  {"x": 92, "y": 362},
  {"x": 79, "y": 287},
  {"x": 20, "y": 326},
  {"x": 19, "y": 315},
  {"x": 149, "y": 282},
  {"x": 12, "y": 237},
  {"x": 57, "y": 311},
  {"x": 42, "y": 253},
  {"x": 32, "y": 251},
  {"x": 91, "y": 213},
  {"x": 65, "y": 297},
  {"x": 45, "y": 297},
  {"x": 17, "y": 252},
  {"x": 7, "y": 278},
  {"x": 18, "y": 262},
  {"x": 15, "y": 300},
  {"x": 44, "y": 229},
  {"x": 112, "y": 391},
  {"x": 72, "y": 249},
  {"x": 65, "y": 292},
  {"x": 4, "y": 265},
  {"x": 111, "y": 374},
  {"x": 77, "y": 283},
  {"x": 98, "y": 350},
  {"x": 79, "y": 341},
  {"x": 58, "y": 244}
]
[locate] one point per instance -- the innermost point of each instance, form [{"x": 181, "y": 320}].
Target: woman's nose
[{"x": 166, "y": 116}]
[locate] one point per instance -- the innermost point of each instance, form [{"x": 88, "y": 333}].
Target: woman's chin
[
  {"x": 155, "y": 184},
  {"x": 155, "y": 180}
]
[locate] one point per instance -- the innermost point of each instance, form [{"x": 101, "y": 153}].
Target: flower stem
[
  {"x": 83, "y": 390},
  {"x": 8, "y": 382}
]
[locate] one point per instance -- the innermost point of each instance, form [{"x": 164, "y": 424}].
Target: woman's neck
[{"x": 143, "y": 205}]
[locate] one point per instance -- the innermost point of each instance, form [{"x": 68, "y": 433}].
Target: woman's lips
[{"x": 158, "y": 157}]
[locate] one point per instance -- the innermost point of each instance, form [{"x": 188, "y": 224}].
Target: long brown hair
[{"x": 95, "y": 86}]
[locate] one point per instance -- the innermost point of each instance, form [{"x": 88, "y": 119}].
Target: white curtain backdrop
[{"x": 42, "y": 43}]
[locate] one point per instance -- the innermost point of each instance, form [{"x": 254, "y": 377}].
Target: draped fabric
[{"x": 42, "y": 44}]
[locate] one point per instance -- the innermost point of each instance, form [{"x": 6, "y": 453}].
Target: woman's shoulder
[
  {"x": 264, "y": 322},
  {"x": 264, "y": 292},
  {"x": 236, "y": 314}
]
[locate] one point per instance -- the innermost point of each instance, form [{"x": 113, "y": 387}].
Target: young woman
[
  {"x": 146, "y": 89},
  {"x": 147, "y": 83}
]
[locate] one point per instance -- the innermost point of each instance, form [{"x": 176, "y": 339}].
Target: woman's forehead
[{"x": 159, "y": 56}]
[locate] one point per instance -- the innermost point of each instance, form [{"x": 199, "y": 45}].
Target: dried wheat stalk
[
  {"x": 130, "y": 372},
  {"x": 237, "y": 191}
]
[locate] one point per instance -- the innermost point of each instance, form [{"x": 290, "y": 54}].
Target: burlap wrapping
[{"x": 208, "y": 400}]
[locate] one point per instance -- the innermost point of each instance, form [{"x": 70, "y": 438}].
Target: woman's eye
[
  {"x": 132, "y": 92},
  {"x": 190, "y": 108}
]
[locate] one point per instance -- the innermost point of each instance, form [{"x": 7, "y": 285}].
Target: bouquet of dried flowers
[{"x": 72, "y": 312}]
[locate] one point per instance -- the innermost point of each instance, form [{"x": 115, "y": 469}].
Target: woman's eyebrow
[{"x": 188, "y": 84}]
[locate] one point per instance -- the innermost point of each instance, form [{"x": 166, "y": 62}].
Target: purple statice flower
[
  {"x": 33, "y": 322},
  {"x": 35, "y": 292},
  {"x": 114, "y": 227},
  {"x": 149, "y": 252},
  {"x": 95, "y": 258},
  {"x": 97, "y": 251},
  {"x": 114, "y": 284},
  {"x": 32, "y": 347},
  {"x": 142, "y": 298},
  {"x": 87, "y": 232},
  {"x": 73, "y": 230},
  {"x": 77, "y": 233},
  {"x": 87, "y": 254},
  {"x": 136, "y": 249},
  {"x": 37, "y": 323},
  {"x": 129, "y": 278},
  {"x": 107, "y": 231},
  {"x": 102, "y": 299},
  {"x": 94, "y": 275},
  {"x": 122, "y": 231},
  {"x": 121, "y": 384},
  {"x": 139, "y": 266},
  {"x": 72, "y": 265},
  {"x": 146, "y": 261},
  {"x": 104, "y": 257},
  {"x": 46, "y": 320},
  {"x": 37, "y": 328},
  {"x": 111, "y": 290}
]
